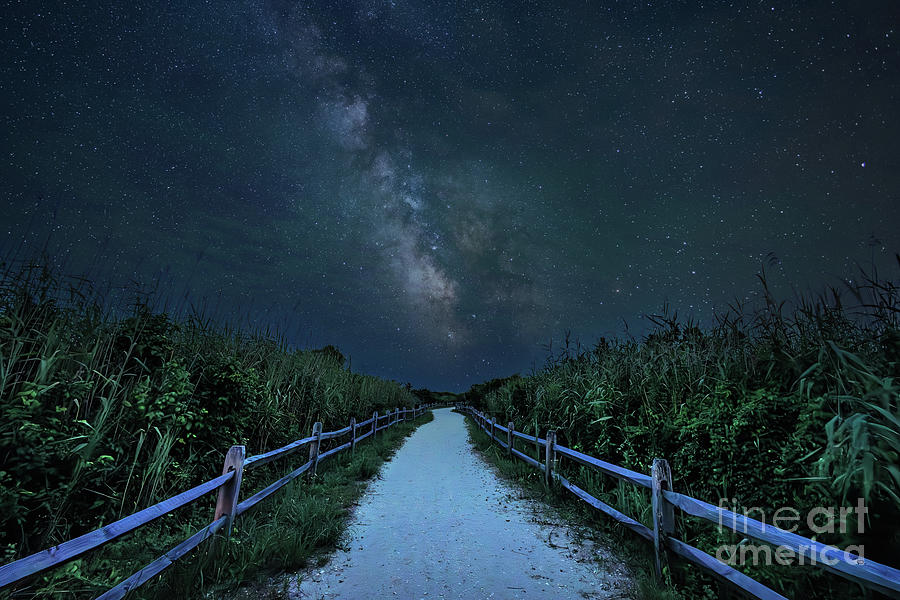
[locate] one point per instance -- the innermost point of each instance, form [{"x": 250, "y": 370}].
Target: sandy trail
[{"x": 439, "y": 523}]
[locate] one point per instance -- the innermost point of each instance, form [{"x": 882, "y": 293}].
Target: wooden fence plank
[
  {"x": 333, "y": 451},
  {"x": 549, "y": 457},
  {"x": 608, "y": 468},
  {"x": 663, "y": 514},
  {"x": 528, "y": 459},
  {"x": 270, "y": 489},
  {"x": 527, "y": 438},
  {"x": 622, "y": 518},
  {"x": 509, "y": 438},
  {"x": 163, "y": 562},
  {"x": 228, "y": 493},
  {"x": 29, "y": 565},
  {"x": 867, "y": 572},
  {"x": 261, "y": 459},
  {"x": 352, "y": 435},
  {"x": 722, "y": 570},
  {"x": 334, "y": 434},
  {"x": 314, "y": 448}
]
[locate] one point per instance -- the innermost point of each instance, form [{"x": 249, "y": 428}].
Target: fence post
[
  {"x": 551, "y": 456},
  {"x": 227, "y": 501},
  {"x": 352, "y": 435},
  {"x": 509, "y": 439},
  {"x": 663, "y": 513},
  {"x": 374, "y": 424},
  {"x": 314, "y": 448},
  {"x": 493, "y": 422}
]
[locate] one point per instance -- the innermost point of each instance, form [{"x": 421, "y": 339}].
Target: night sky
[{"x": 440, "y": 188}]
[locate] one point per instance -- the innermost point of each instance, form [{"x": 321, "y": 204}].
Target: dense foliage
[
  {"x": 103, "y": 413},
  {"x": 774, "y": 407}
]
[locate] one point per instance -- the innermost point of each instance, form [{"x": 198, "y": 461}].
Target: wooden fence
[
  {"x": 664, "y": 500},
  {"x": 228, "y": 505}
]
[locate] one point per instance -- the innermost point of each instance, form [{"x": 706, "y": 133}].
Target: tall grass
[
  {"x": 105, "y": 410},
  {"x": 788, "y": 405}
]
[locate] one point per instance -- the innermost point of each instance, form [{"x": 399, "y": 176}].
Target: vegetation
[
  {"x": 104, "y": 412},
  {"x": 590, "y": 522},
  {"x": 775, "y": 407},
  {"x": 439, "y": 398}
]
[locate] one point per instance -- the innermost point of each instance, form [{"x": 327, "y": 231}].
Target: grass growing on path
[
  {"x": 106, "y": 410},
  {"x": 303, "y": 522},
  {"x": 789, "y": 405},
  {"x": 635, "y": 552}
]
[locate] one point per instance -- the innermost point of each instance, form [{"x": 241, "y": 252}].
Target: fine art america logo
[{"x": 820, "y": 520}]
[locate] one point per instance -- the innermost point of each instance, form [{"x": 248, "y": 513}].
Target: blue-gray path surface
[{"x": 439, "y": 523}]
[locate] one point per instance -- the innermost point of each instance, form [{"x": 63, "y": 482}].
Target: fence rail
[
  {"x": 867, "y": 573},
  {"x": 227, "y": 506}
]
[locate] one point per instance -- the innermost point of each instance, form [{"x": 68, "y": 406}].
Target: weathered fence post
[
  {"x": 228, "y": 493},
  {"x": 493, "y": 422},
  {"x": 509, "y": 439},
  {"x": 663, "y": 512},
  {"x": 374, "y": 423},
  {"x": 314, "y": 448},
  {"x": 352, "y": 435},
  {"x": 550, "y": 457}
]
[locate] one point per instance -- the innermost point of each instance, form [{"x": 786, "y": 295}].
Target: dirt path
[{"x": 439, "y": 523}]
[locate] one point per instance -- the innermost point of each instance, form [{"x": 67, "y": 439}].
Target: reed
[
  {"x": 107, "y": 408},
  {"x": 791, "y": 404}
]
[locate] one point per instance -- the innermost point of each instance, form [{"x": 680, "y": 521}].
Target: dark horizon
[{"x": 440, "y": 191}]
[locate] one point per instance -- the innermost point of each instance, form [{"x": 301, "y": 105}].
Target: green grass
[
  {"x": 789, "y": 405},
  {"x": 296, "y": 526},
  {"x": 105, "y": 410},
  {"x": 636, "y": 553}
]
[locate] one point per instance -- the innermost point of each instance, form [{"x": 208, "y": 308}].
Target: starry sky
[{"x": 440, "y": 188}]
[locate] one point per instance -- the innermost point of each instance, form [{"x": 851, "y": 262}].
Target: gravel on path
[{"x": 439, "y": 523}]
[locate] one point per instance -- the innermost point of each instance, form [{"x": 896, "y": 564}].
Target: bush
[
  {"x": 103, "y": 414},
  {"x": 773, "y": 407}
]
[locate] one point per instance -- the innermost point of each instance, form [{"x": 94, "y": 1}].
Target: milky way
[{"x": 442, "y": 189}]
